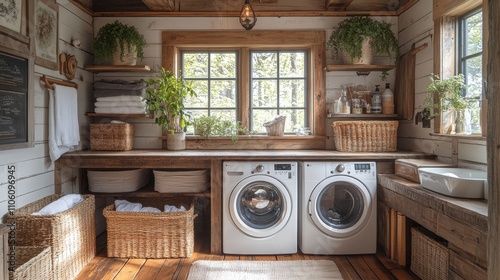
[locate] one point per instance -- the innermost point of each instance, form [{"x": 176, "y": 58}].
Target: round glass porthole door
[
  {"x": 340, "y": 205},
  {"x": 260, "y": 207}
]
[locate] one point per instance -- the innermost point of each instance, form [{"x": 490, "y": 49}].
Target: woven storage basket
[
  {"x": 32, "y": 262},
  {"x": 276, "y": 127},
  {"x": 365, "y": 136},
  {"x": 117, "y": 181},
  {"x": 181, "y": 181},
  {"x": 151, "y": 235},
  {"x": 69, "y": 234},
  {"x": 429, "y": 258},
  {"x": 111, "y": 137}
]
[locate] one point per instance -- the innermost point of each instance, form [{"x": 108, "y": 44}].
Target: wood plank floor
[{"x": 353, "y": 267}]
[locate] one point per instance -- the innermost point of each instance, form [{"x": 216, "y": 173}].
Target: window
[{"x": 470, "y": 62}]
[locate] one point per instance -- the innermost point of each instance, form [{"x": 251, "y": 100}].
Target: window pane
[
  {"x": 264, "y": 93},
  {"x": 474, "y": 76},
  {"x": 260, "y": 117},
  {"x": 264, "y": 65},
  {"x": 223, "y": 93},
  {"x": 474, "y": 34},
  {"x": 292, "y": 64},
  {"x": 195, "y": 65},
  {"x": 225, "y": 114},
  {"x": 201, "y": 100},
  {"x": 292, "y": 93},
  {"x": 294, "y": 119},
  {"x": 223, "y": 65}
]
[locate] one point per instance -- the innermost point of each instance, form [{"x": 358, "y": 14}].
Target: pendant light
[{"x": 247, "y": 16}]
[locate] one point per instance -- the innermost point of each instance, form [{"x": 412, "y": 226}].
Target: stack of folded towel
[
  {"x": 127, "y": 206},
  {"x": 120, "y": 97},
  {"x": 60, "y": 205}
]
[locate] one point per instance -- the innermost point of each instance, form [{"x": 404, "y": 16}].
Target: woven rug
[{"x": 264, "y": 270}]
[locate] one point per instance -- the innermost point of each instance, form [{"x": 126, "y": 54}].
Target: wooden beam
[
  {"x": 258, "y": 14},
  {"x": 160, "y": 5}
]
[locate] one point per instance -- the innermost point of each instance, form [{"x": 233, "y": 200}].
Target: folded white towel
[
  {"x": 64, "y": 129},
  {"x": 120, "y": 110},
  {"x": 120, "y": 98},
  {"x": 60, "y": 205},
  {"x": 149, "y": 209},
  {"x": 127, "y": 206},
  {"x": 172, "y": 208},
  {"x": 120, "y": 104}
]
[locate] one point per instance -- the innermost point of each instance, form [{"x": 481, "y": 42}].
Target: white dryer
[
  {"x": 338, "y": 208},
  {"x": 259, "y": 208}
]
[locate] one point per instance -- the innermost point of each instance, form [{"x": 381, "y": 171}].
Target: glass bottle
[
  {"x": 344, "y": 106},
  {"x": 387, "y": 100},
  {"x": 376, "y": 101}
]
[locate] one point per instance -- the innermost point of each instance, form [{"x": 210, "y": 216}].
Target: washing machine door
[
  {"x": 260, "y": 206},
  {"x": 340, "y": 206}
]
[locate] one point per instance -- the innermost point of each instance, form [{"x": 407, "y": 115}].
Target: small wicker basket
[
  {"x": 365, "y": 136},
  {"x": 151, "y": 235},
  {"x": 429, "y": 258},
  {"x": 111, "y": 137},
  {"x": 276, "y": 127},
  {"x": 32, "y": 262}
]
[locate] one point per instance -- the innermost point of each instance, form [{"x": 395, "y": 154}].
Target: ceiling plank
[{"x": 160, "y": 5}]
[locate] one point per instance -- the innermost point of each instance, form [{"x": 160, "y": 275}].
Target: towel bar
[{"x": 49, "y": 81}]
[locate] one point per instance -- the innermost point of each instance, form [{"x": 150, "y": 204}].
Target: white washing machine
[
  {"x": 338, "y": 208},
  {"x": 259, "y": 208}
]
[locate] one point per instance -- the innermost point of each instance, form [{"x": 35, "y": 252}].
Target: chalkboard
[{"x": 13, "y": 99}]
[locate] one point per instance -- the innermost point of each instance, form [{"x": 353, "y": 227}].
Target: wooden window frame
[
  {"x": 445, "y": 13},
  {"x": 313, "y": 41}
]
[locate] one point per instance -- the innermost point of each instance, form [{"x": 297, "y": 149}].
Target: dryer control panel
[{"x": 367, "y": 170}]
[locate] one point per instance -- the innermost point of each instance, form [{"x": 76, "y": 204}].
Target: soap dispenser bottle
[{"x": 387, "y": 100}]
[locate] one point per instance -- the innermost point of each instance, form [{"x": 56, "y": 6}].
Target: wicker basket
[
  {"x": 111, "y": 137},
  {"x": 276, "y": 127},
  {"x": 116, "y": 181},
  {"x": 429, "y": 258},
  {"x": 32, "y": 262},
  {"x": 151, "y": 235},
  {"x": 69, "y": 234},
  {"x": 185, "y": 181},
  {"x": 365, "y": 136}
]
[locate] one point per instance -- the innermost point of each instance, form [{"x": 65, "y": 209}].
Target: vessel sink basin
[{"x": 455, "y": 182}]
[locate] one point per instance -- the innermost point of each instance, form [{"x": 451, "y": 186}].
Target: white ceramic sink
[{"x": 455, "y": 182}]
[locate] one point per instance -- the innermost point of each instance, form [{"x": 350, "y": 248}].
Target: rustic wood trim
[
  {"x": 160, "y": 5},
  {"x": 216, "y": 207},
  {"x": 453, "y": 7},
  {"x": 314, "y": 41},
  {"x": 484, "y": 104},
  {"x": 493, "y": 141},
  {"x": 244, "y": 98},
  {"x": 256, "y": 143},
  {"x": 465, "y": 269},
  {"x": 82, "y": 7},
  {"x": 57, "y": 178}
]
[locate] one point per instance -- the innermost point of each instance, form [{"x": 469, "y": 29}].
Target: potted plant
[
  {"x": 358, "y": 33},
  {"x": 208, "y": 126},
  {"x": 118, "y": 44},
  {"x": 165, "y": 99},
  {"x": 449, "y": 98}
]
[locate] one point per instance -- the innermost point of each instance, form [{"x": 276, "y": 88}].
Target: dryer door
[
  {"x": 260, "y": 205},
  {"x": 340, "y": 206}
]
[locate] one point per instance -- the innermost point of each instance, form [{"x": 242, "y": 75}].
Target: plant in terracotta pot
[
  {"x": 446, "y": 96},
  {"x": 118, "y": 44},
  {"x": 356, "y": 34},
  {"x": 165, "y": 97}
]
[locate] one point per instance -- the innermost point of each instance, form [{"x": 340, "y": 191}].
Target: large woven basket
[
  {"x": 69, "y": 234},
  {"x": 365, "y": 136},
  {"x": 111, "y": 137},
  {"x": 32, "y": 262},
  {"x": 151, "y": 235},
  {"x": 429, "y": 258},
  {"x": 181, "y": 181}
]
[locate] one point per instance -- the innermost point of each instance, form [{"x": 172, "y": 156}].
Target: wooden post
[
  {"x": 493, "y": 141},
  {"x": 216, "y": 207}
]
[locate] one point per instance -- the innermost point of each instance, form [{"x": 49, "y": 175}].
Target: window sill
[
  {"x": 461, "y": 136},
  {"x": 257, "y": 142}
]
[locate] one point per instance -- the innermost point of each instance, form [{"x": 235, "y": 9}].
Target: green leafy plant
[
  {"x": 448, "y": 94},
  {"x": 117, "y": 36},
  {"x": 209, "y": 126},
  {"x": 165, "y": 98},
  {"x": 351, "y": 32}
]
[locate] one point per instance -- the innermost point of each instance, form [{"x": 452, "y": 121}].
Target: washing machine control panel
[{"x": 366, "y": 169}]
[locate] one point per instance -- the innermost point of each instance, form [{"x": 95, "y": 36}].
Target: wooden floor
[{"x": 351, "y": 267}]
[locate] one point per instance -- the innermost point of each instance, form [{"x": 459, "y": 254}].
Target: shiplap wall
[
  {"x": 416, "y": 26},
  {"x": 35, "y": 171}
]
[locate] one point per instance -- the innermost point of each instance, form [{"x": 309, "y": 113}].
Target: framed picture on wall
[
  {"x": 45, "y": 33},
  {"x": 11, "y": 14}
]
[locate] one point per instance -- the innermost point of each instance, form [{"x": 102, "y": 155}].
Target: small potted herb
[
  {"x": 209, "y": 126},
  {"x": 357, "y": 37},
  {"x": 165, "y": 97},
  {"x": 118, "y": 44}
]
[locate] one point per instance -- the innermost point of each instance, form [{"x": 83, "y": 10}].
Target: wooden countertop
[{"x": 155, "y": 158}]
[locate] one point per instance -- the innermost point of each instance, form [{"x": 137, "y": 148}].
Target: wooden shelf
[
  {"x": 148, "y": 191},
  {"x": 362, "y": 116},
  {"x": 118, "y": 68},
  {"x": 102, "y": 115},
  {"x": 359, "y": 68}
]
